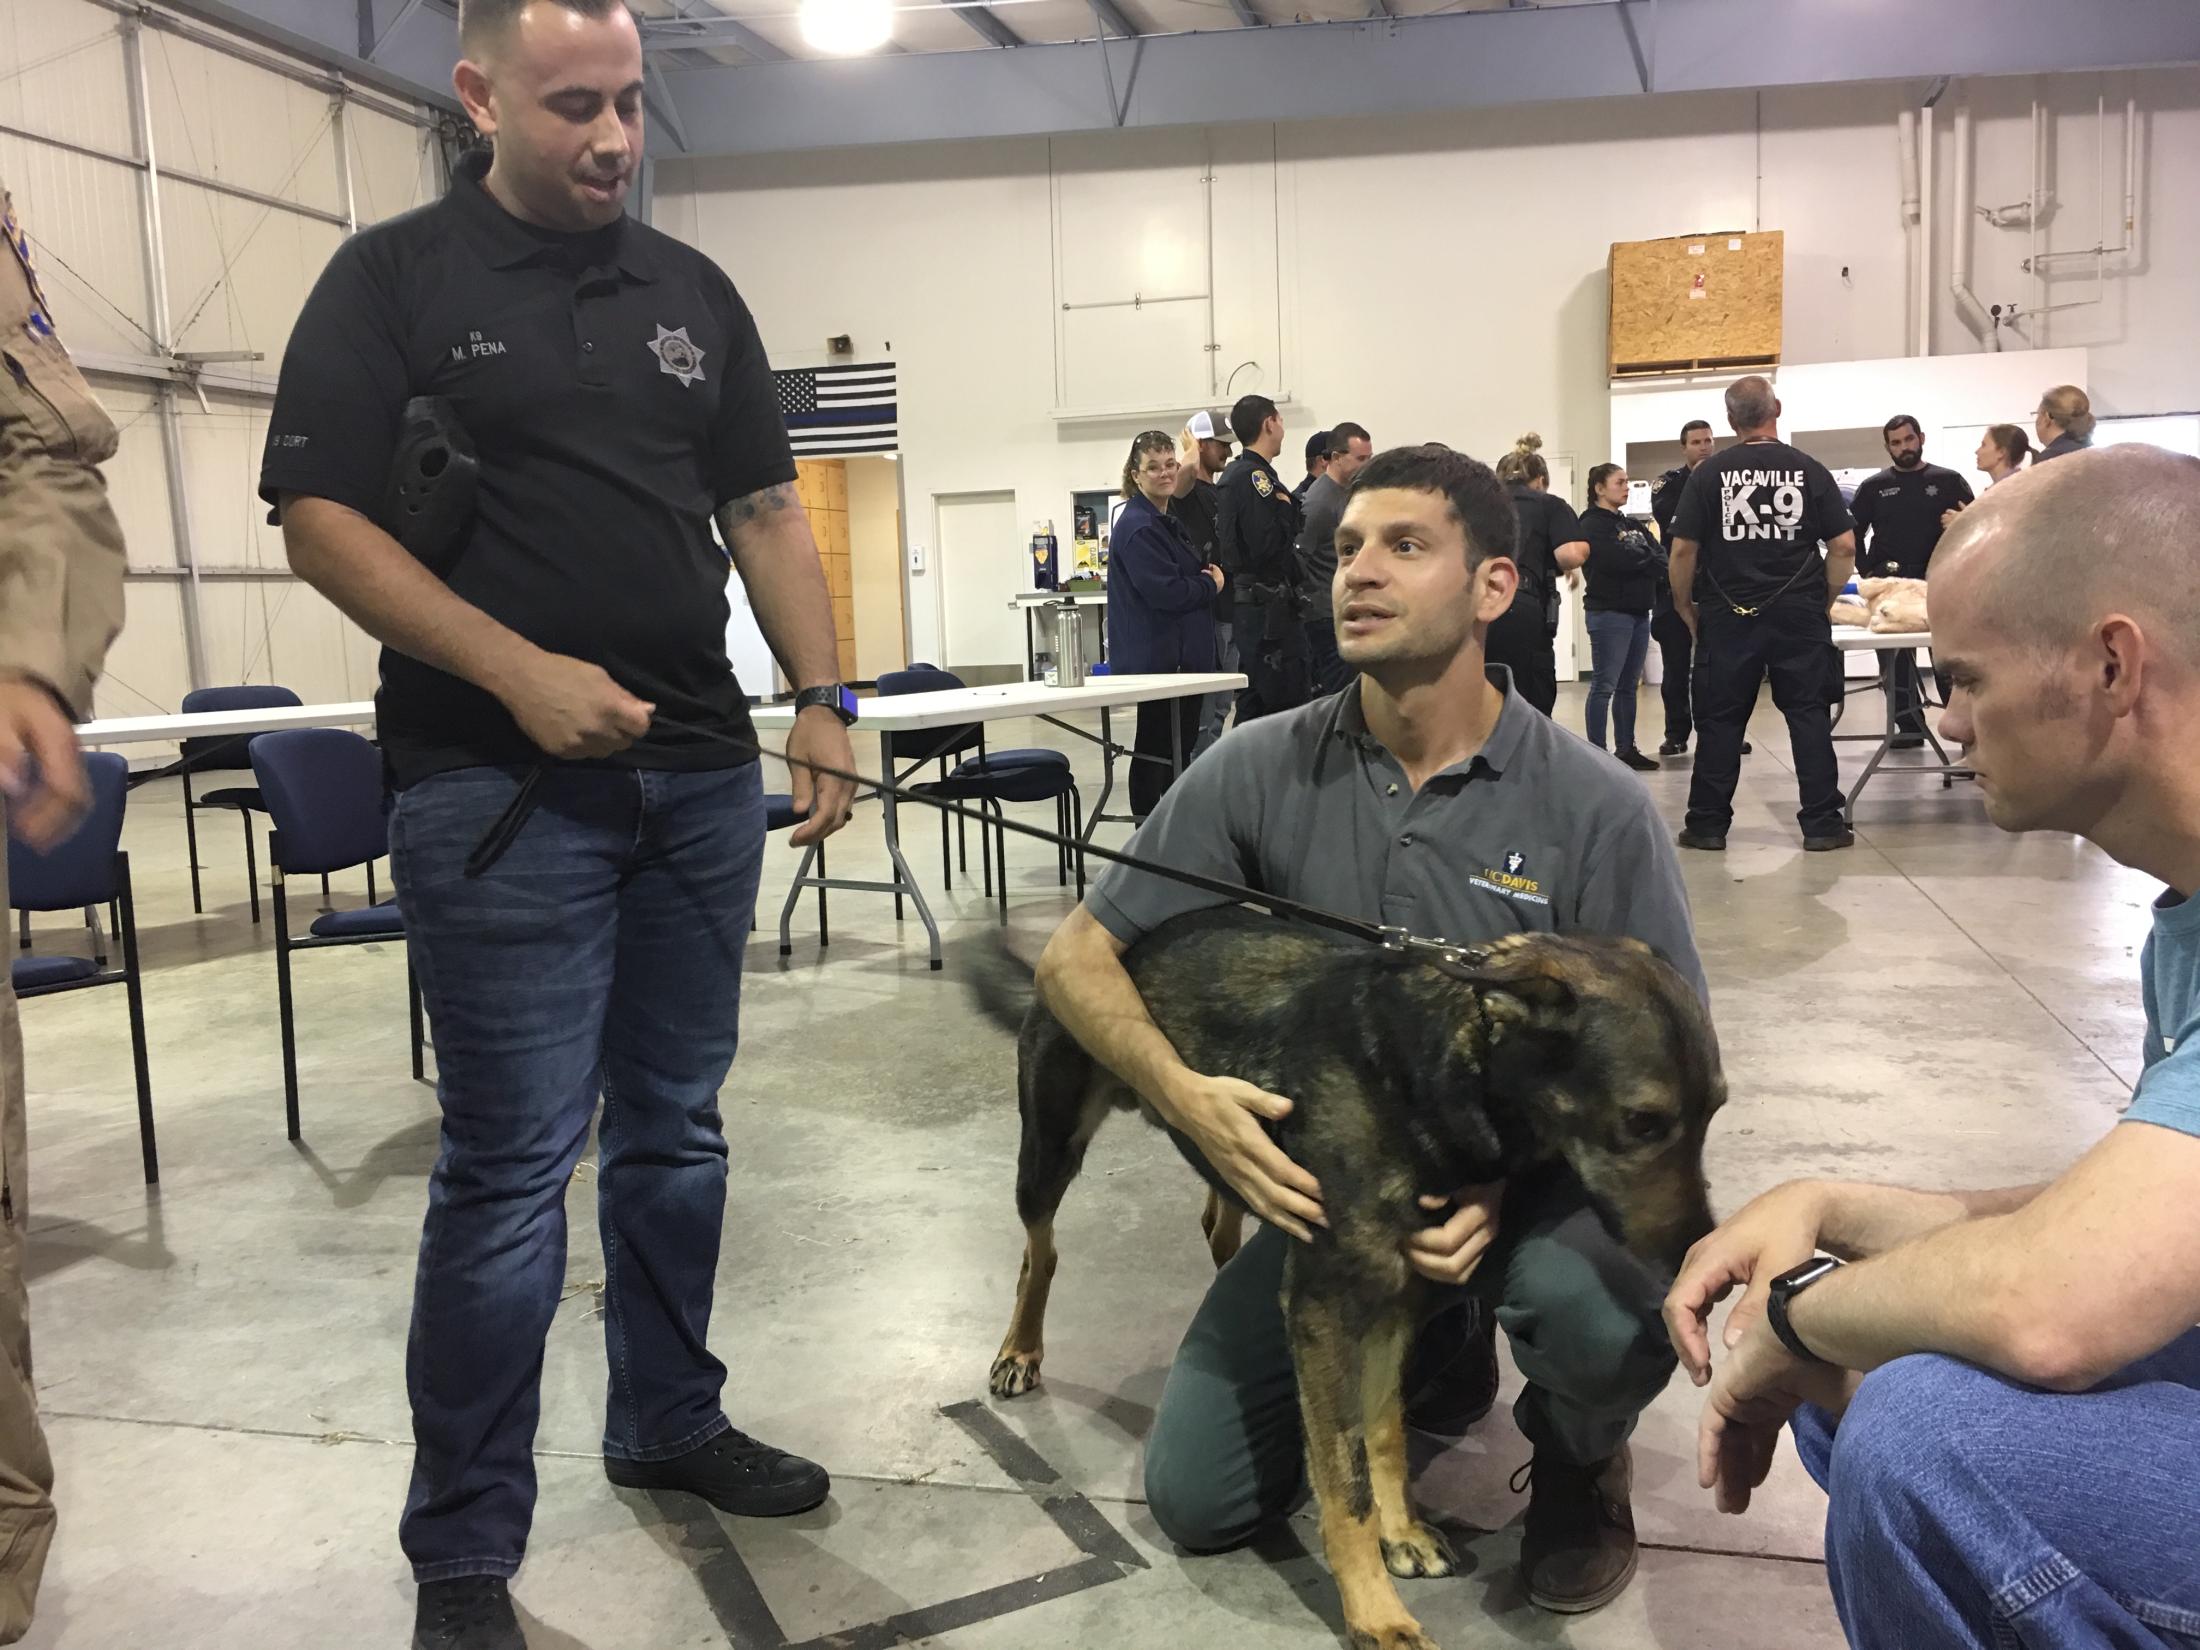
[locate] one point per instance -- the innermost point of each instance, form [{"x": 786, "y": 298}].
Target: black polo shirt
[
  {"x": 1758, "y": 513},
  {"x": 1901, "y": 510},
  {"x": 617, "y": 392}
]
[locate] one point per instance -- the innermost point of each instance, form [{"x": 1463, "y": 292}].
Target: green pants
[{"x": 1226, "y": 1455}]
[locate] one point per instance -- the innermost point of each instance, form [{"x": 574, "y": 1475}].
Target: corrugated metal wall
[{"x": 237, "y": 271}]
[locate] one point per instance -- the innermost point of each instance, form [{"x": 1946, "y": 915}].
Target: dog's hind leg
[
  {"x": 1063, "y": 1107},
  {"x": 1224, "y": 1224},
  {"x": 1327, "y": 1350}
]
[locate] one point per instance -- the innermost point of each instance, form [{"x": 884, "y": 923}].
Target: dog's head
[{"x": 1608, "y": 1053}]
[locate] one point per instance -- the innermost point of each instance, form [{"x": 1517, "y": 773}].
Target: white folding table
[
  {"x": 160, "y": 730},
  {"x": 955, "y": 707},
  {"x": 1856, "y": 639}
]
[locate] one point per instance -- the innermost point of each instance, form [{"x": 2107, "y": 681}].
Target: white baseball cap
[{"x": 1203, "y": 428}]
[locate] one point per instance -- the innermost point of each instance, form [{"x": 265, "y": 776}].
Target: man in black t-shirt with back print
[{"x": 1748, "y": 579}]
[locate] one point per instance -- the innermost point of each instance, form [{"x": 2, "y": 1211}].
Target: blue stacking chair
[
  {"x": 943, "y": 744},
  {"x": 223, "y": 753},
  {"x": 324, "y": 800},
  {"x": 90, "y": 869}
]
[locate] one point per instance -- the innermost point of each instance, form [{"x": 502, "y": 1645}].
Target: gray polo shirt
[{"x": 1539, "y": 832}]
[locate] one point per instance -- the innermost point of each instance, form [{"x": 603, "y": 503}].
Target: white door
[{"x": 984, "y": 560}]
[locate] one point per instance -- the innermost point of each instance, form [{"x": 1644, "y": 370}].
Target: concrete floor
[{"x": 221, "y": 1363}]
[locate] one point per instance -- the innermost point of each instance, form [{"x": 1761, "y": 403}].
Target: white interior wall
[
  {"x": 237, "y": 273},
  {"x": 1434, "y": 277}
]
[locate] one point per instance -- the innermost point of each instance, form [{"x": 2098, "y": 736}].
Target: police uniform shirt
[
  {"x": 1257, "y": 527},
  {"x": 1665, "y": 498},
  {"x": 1758, "y": 512},
  {"x": 1546, "y": 521},
  {"x": 616, "y": 390},
  {"x": 1901, "y": 510}
]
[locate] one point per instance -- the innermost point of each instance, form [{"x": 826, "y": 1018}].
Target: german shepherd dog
[{"x": 1410, "y": 1074}]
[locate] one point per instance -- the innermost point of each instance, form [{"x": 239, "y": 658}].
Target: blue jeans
[
  {"x": 1966, "y": 1510},
  {"x": 1618, "y": 643},
  {"x": 600, "y": 955}
]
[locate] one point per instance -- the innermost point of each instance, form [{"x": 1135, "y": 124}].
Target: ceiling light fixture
[{"x": 846, "y": 28}]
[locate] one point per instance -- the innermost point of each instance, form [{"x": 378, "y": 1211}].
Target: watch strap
[
  {"x": 837, "y": 697},
  {"x": 1784, "y": 1289}
]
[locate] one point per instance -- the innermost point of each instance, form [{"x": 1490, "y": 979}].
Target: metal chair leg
[
  {"x": 824, "y": 937},
  {"x": 99, "y": 937},
  {"x": 326, "y": 896},
  {"x": 947, "y": 865},
  {"x": 1077, "y": 834},
  {"x": 133, "y": 984},
  {"x": 251, "y": 866},
  {"x": 191, "y": 843},
  {"x": 372, "y": 897},
  {"x": 23, "y": 940},
  {"x": 283, "y": 1002},
  {"x": 1000, "y": 856}
]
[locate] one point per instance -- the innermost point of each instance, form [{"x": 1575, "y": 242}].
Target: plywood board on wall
[{"x": 1696, "y": 302}]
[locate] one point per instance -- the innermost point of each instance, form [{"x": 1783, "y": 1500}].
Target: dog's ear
[{"x": 1525, "y": 988}]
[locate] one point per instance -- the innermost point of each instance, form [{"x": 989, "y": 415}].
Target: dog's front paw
[
  {"x": 1406, "y": 1635},
  {"x": 1014, "y": 1374},
  {"x": 1419, "y": 1552}
]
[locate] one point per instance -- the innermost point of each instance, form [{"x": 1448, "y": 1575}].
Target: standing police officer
[
  {"x": 1676, "y": 646},
  {"x": 1257, "y": 538},
  {"x": 1757, "y": 514},
  {"x": 1898, "y": 521}
]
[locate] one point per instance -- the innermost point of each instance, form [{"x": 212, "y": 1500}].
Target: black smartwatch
[
  {"x": 837, "y": 697},
  {"x": 1784, "y": 1289}
]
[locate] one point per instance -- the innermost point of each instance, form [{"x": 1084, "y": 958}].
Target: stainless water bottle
[{"x": 1069, "y": 645}]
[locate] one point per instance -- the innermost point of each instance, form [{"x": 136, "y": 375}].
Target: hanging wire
[{"x": 47, "y": 254}]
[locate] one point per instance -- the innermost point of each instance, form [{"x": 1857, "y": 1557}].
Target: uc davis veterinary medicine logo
[{"x": 1513, "y": 881}]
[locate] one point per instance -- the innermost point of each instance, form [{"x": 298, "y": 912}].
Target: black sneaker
[
  {"x": 734, "y": 1473},
  {"x": 1674, "y": 747},
  {"x": 1451, "y": 1374},
  {"x": 1747, "y": 747},
  {"x": 1702, "y": 840},
  {"x": 471, "y": 1613},
  {"x": 1633, "y": 758},
  {"x": 1829, "y": 841},
  {"x": 1908, "y": 742}
]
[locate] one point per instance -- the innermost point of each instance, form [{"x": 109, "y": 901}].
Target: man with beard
[{"x": 1898, "y": 515}]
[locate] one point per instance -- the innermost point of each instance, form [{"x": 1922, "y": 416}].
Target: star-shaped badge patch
[{"x": 677, "y": 355}]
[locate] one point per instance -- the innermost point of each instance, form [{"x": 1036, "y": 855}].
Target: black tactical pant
[{"x": 1272, "y": 654}]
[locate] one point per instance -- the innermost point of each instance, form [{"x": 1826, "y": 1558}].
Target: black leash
[{"x": 501, "y": 835}]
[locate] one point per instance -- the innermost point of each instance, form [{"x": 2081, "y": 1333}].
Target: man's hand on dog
[
  {"x": 1223, "y": 1116},
  {"x": 1771, "y": 1234},
  {"x": 1449, "y": 1253}
]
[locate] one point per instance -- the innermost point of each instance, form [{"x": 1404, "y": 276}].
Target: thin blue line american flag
[{"x": 840, "y": 411}]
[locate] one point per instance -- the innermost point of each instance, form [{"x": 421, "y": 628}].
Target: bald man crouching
[{"x": 2000, "y": 1390}]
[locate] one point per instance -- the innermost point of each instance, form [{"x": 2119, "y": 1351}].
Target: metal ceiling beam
[
  {"x": 1113, "y": 16},
  {"x": 658, "y": 96},
  {"x": 664, "y": 34},
  {"x": 987, "y": 22},
  {"x": 413, "y": 60},
  {"x": 1465, "y": 60},
  {"x": 1381, "y": 8},
  {"x": 1243, "y": 11}
]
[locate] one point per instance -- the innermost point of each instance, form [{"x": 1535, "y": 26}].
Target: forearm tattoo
[{"x": 754, "y": 507}]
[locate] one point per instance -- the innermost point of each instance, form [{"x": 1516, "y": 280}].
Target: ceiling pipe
[
  {"x": 1969, "y": 310},
  {"x": 1905, "y": 128},
  {"x": 1925, "y": 229}
]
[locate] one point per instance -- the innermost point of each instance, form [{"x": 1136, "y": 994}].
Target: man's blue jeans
[
  {"x": 1966, "y": 1510},
  {"x": 600, "y": 955}
]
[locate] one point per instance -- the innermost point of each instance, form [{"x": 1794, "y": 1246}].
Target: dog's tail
[{"x": 1000, "y": 978}]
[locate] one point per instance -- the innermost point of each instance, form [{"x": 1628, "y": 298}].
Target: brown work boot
[{"x": 1578, "y": 1552}]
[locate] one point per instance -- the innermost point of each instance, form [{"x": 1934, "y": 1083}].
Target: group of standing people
[{"x": 1216, "y": 565}]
